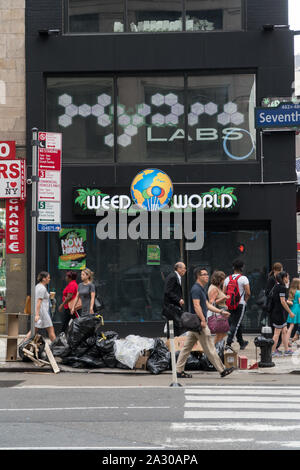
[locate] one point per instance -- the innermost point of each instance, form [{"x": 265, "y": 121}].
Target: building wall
[
  {"x": 13, "y": 121},
  {"x": 228, "y": 52}
]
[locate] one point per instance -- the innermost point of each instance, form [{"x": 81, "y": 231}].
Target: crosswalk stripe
[
  {"x": 240, "y": 387},
  {"x": 219, "y": 415},
  {"x": 249, "y": 398},
  {"x": 247, "y": 405},
  {"x": 234, "y": 392},
  {"x": 234, "y": 426}
]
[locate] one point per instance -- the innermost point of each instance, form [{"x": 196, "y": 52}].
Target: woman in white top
[
  {"x": 42, "y": 316},
  {"x": 217, "y": 297}
]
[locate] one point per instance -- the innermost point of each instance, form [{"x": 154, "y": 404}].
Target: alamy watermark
[{"x": 135, "y": 223}]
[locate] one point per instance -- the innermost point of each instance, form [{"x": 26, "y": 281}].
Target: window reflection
[
  {"x": 154, "y": 16},
  {"x": 151, "y": 119},
  {"x": 213, "y": 15},
  {"x": 96, "y": 16},
  {"x": 220, "y": 118},
  {"x": 81, "y": 108}
]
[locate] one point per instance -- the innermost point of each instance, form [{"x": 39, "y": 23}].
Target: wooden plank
[
  {"x": 33, "y": 359},
  {"x": 52, "y": 361}
]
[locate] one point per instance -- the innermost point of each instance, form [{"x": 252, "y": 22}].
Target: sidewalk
[{"x": 283, "y": 365}]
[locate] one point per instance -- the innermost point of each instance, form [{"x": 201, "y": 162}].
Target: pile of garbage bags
[{"x": 86, "y": 345}]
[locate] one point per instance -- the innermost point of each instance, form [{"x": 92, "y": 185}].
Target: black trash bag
[
  {"x": 110, "y": 360},
  {"x": 60, "y": 346},
  {"x": 72, "y": 361},
  {"x": 159, "y": 358},
  {"x": 80, "y": 329},
  {"x": 220, "y": 347},
  {"x": 205, "y": 364},
  {"x": 193, "y": 360},
  {"x": 85, "y": 346},
  {"x": 119, "y": 365},
  {"x": 93, "y": 362},
  {"x": 106, "y": 346}
]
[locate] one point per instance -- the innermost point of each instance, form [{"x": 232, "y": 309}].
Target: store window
[
  {"x": 82, "y": 109},
  {"x": 221, "y": 118},
  {"x": 220, "y": 248},
  {"x": 155, "y": 16},
  {"x": 150, "y": 113},
  {"x": 129, "y": 274}
]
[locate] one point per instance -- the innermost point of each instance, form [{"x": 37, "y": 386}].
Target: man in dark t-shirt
[
  {"x": 197, "y": 292},
  {"x": 199, "y": 306}
]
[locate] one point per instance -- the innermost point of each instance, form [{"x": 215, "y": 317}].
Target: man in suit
[{"x": 173, "y": 297}]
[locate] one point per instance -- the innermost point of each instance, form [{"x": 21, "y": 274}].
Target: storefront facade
[{"x": 182, "y": 102}]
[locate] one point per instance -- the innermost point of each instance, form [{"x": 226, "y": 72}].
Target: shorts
[{"x": 279, "y": 327}]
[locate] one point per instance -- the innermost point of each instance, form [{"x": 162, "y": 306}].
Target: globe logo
[{"x": 151, "y": 189}]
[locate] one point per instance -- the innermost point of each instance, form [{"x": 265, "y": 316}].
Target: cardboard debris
[
  {"x": 179, "y": 343},
  {"x": 31, "y": 350},
  {"x": 141, "y": 363}
]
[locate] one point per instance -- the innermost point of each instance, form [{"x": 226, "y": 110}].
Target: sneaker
[
  {"x": 280, "y": 353},
  {"x": 276, "y": 354},
  {"x": 227, "y": 371},
  {"x": 244, "y": 345},
  {"x": 289, "y": 352}
]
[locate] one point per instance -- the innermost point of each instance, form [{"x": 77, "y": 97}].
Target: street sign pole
[{"x": 34, "y": 181}]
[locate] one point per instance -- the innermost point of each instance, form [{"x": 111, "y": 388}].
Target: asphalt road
[{"x": 43, "y": 411}]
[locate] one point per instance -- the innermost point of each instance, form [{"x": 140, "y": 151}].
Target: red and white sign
[
  {"x": 49, "y": 186},
  {"x": 13, "y": 179},
  {"x": 15, "y": 226},
  {"x": 49, "y": 159},
  {"x": 7, "y": 150}
]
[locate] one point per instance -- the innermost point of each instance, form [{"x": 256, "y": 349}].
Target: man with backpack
[{"x": 237, "y": 289}]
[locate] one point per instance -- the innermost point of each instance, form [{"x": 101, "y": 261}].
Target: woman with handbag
[
  {"x": 86, "y": 293},
  {"x": 69, "y": 294},
  {"x": 217, "y": 323}
]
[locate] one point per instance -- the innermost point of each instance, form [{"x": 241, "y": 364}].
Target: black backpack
[{"x": 270, "y": 300}]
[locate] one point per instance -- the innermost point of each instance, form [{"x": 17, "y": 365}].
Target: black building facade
[{"x": 170, "y": 86}]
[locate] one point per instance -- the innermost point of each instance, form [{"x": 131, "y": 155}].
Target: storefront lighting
[
  {"x": 271, "y": 27},
  {"x": 49, "y": 32}
]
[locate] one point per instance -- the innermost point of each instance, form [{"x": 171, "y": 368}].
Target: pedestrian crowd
[{"x": 220, "y": 308}]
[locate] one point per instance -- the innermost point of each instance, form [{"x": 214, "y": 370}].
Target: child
[{"x": 293, "y": 301}]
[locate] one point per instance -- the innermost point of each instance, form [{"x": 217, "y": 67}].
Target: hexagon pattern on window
[{"x": 103, "y": 111}]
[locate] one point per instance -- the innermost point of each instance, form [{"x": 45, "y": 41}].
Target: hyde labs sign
[
  {"x": 49, "y": 186},
  {"x": 286, "y": 115}
]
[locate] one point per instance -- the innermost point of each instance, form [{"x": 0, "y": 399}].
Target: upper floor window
[
  {"x": 152, "y": 16},
  {"x": 175, "y": 118}
]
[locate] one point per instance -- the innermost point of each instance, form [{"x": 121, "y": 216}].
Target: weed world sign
[{"x": 87, "y": 200}]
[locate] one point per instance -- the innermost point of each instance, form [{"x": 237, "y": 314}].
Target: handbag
[
  {"x": 191, "y": 322},
  {"x": 76, "y": 306},
  {"x": 98, "y": 305},
  {"x": 173, "y": 312},
  {"x": 218, "y": 324}
]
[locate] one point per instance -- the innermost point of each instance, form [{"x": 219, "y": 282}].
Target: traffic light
[{"x": 241, "y": 248}]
